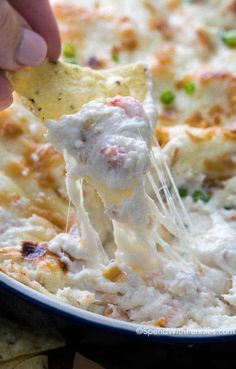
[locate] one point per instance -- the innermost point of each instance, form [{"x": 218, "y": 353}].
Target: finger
[
  {"x": 39, "y": 15},
  {"x": 19, "y": 45},
  {"x": 5, "y": 93}
]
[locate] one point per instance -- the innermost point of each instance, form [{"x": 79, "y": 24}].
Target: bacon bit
[
  {"x": 207, "y": 77},
  {"x": 197, "y": 120},
  {"x": 95, "y": 63},
  {"x": 215, "y": 109},
  {"x": 160, "y": 323},
  {"x": 129, "y": 40},
  {"x": 169, "y": 115},
  {"x": 232, "y": 7},
  {"x": 159, "y": 23},
  {"x": 33, "y": 250},
  {"x": 179, "y": 85},
  {"x": 130, "y": 105},
  {"x": 206, "y": 39},
  {"x": 210, "y": 183},
  {"x": 161, "y": 62},
  {"x": 114, "y": 155},
  {"x": 215, "y": 113},
  {"x": 162, "y": 136},
  {"x": 108, "y": 311}
]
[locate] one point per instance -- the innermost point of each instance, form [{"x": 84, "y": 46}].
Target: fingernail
[
  {"x": 6, "y": 102},
  {"x": 32, "y": 49}
]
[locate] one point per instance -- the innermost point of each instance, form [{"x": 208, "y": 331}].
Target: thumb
[{"x": 19, "y": 45}]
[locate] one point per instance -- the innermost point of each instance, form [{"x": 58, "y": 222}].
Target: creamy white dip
[{"x": 161, "y": 281}]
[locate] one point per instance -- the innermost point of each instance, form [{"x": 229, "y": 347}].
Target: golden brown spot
[
  {"x": 46, "y": 156},
  {"x": 197, "y": 120},
  {"x": 128, "y": 35},
  {"x": 215, "y": 109},
  {"x": 174, "y": 157},
  {"x": 16, "y": 168},
  {"x": 229, "y": 135},
  {"x": 173, "y": 4},
  {"x": 53, "y": 263},
  {"x": 113, "y": 273},
  {"x": 221, "y": 165},
  {"x": 10, "y": 130},
  {"x": 231, "y": 96},
  {"x": 160, "y": 323},
  {"x": 162, "y": 136},
  {"x": 6, "y": 198}
]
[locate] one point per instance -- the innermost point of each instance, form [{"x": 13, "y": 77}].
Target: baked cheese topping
[{"x": 189, "y": 47}]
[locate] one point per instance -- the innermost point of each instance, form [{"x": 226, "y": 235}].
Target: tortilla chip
[
  {"x": 81, "y": 362},
  {"x": 36, "y": 362},
  {"x": 17, "y": 340},
  {"x": 54, "y": 89},
  {"x": 11, "y": 364}
]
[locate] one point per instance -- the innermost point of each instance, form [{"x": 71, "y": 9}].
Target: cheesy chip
[{"x": 55, "y": 89}]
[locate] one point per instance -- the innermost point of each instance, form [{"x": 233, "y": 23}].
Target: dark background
[{"x": 112, "y": 350}]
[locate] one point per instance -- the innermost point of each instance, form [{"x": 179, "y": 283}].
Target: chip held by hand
[{"x": 55, "y": 89}]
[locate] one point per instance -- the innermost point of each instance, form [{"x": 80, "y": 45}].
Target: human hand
[{"x": 28, "y": 33}]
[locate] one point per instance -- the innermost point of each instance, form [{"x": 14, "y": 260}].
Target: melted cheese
[{"x": 180, "y": 41}]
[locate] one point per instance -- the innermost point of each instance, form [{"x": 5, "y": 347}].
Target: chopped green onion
[
  {"x": 183, "y": 192},
  {"x": 189, "y": 87},
  {"x": 68, "y": 50},
  {"x": 229, "y": 207},
  {"x": 115, "y": 58},
  {"x": 167, "y": 97},
  {"x": 200, "y": 195},
  {"x": 70, "y": 60},
  {"x": 229, "y": 38}
]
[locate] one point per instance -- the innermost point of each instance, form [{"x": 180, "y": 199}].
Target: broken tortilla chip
[
  {"x": 17, "y": 340},
  {"x": 36, "y": 362},
  {"x": 55, "y": 89},
  {"x": 84, "y": 363},
  {"x": 11, "y": 364}
]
